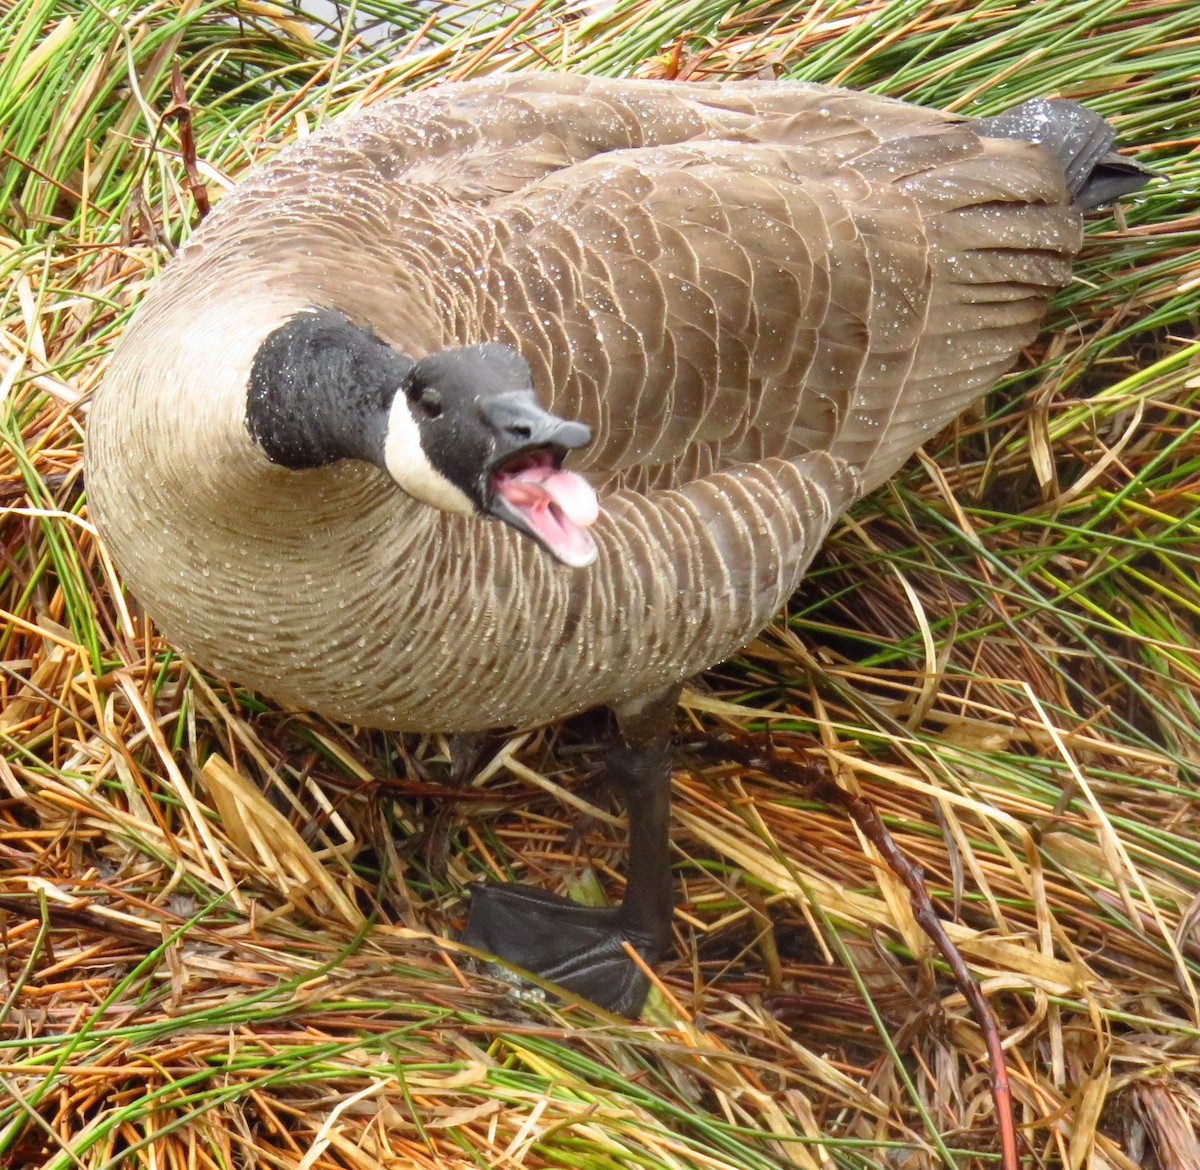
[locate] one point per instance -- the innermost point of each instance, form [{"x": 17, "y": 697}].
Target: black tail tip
[{"x": 1081, "y": 140}]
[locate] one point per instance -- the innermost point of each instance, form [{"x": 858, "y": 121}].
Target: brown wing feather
[{"x": 752, "y": 302}]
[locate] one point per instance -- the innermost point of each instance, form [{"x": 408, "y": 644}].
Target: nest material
[{"x": 220, "y": 921}]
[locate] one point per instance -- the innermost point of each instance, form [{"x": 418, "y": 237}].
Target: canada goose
[{"x": 735, "y": 307}]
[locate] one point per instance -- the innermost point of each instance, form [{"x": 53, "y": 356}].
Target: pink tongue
[
  {"x": 571, "y": 492},
  {"x": 574, "y": 495}
]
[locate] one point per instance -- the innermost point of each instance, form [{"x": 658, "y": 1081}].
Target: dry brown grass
[{"x": 223, "y": 925}]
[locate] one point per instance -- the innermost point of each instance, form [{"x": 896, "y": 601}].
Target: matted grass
[{"x": 220, "y": 921}]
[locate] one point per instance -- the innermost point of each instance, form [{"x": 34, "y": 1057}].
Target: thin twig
[{"x": 763, "y": 757}]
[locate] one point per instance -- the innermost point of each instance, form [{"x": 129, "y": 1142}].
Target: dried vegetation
[{"x": 222, "y": 925}]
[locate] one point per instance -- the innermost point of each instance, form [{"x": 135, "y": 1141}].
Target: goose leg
[
  {"x": 582, "y": 947},
  {"x": 468, "y": 750}
]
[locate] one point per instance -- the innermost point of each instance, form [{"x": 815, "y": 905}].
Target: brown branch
[
  {"x": 70, "y": 192},
  {"x": 815, "y": 777},
  {"x": 181, "y": 113},
  {"x": 14, "y": 490}
]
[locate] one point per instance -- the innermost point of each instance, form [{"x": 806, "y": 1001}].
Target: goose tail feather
[{"x": 1081, "y": 140}]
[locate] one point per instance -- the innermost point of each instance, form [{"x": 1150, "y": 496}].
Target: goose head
[{"x": 461, "y": 429}]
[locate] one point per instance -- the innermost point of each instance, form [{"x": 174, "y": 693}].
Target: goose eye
[{"x": 429, "y": 402}]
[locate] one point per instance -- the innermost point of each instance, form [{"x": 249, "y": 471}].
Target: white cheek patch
[{"x": 410, "y": 467}]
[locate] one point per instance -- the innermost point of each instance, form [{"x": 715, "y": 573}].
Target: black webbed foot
[{"x": 578, "y": 947}]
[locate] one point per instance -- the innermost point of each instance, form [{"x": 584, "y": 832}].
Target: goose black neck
[{"x": 320, "y": 390}]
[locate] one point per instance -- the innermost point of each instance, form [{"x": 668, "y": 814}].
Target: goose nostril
[{"x": 520, "y": 431}]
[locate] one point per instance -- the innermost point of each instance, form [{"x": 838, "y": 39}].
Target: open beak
[{"x": 526, "y": 485}]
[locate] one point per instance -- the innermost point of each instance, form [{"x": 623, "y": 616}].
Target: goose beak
[
  {"x": 527, "y": 487},
  {"x": 516, "y": 418}
]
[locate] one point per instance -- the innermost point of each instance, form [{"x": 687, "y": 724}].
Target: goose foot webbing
[{"x": 581, "y": 948}]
